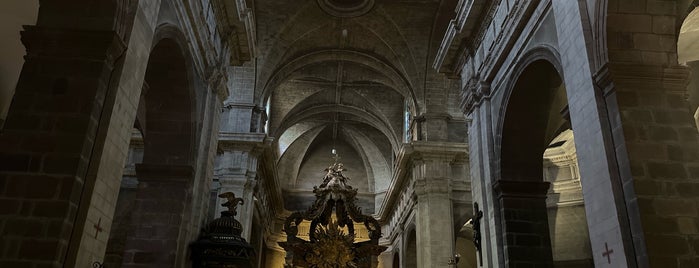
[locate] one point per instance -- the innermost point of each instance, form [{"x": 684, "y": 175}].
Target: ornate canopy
[{"x": 328, "y": 244}]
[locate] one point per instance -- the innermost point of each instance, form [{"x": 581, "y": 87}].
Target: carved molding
[
  {"x": 237, "y": 20},
  {"x": 469, "y": 19},
  {"x": 644, "y": 77},
  {"x": 412, "y": 154},
  {"x": 249, "y": 142}
]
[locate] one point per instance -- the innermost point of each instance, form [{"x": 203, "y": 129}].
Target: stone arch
[
  {"x": 166, "y": 174},
  {"x": 401, "y": 83},
  {"x": 371, "y": 119},
  {"x": 522, "y": 139},
  {"x": 542, "y": 53},
  {"x": 169, "y": 106},
  {"x": 683, "y": 16},
  {"x": 381, "y": 29},
  {"x": 644, "y": 74}
]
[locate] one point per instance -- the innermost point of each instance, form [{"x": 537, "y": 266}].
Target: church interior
[{"x": 349, "y": 133}]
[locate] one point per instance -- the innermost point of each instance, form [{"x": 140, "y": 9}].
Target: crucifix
[
  {"x": 476, "y": 221},
  {"x": 97, "y": 227},
  {"x": 607, "y": 253}
]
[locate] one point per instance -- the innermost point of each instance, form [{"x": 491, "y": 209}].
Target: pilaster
[
  {"x": 236, "y": 170},
  {"x": 433, "y": 176}
]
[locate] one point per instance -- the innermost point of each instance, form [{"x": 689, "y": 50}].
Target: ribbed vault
[{"x": 342, "y": 82}]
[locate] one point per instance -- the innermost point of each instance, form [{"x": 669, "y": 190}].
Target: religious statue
[
  {"x": 476, "y": 221},
  {"x": 232, "y": 203},
  {"x": 334, "y": 176}
]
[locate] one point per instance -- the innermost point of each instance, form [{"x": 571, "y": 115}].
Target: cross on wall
[
  {"x": 607, "y": 253},
  {"x": 97, "y": 227}
]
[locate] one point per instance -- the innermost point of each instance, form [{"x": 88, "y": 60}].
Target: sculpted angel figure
[
  {"x": 232, "y": 203},
  {"x": 334, "y": 172}
]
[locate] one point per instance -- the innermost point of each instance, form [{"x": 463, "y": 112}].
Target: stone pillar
[
  {"x": 476, "y": 103},
  {"x": 660, "y": 174},
  {"x": 525, "y": 231},
  {"x": 48, "y": 140},
  {"x": 434, "y": 219},
  {"x": 236, "y": 171},
  {"x": 163, "y": 191}
]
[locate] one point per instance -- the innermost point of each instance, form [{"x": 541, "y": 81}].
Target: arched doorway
[
  {"x": 536, "y": 114},
  {"x": 155, "y": 195},
  {"x": 565, "y": 207},
  {"x": 410, "y": 256}
]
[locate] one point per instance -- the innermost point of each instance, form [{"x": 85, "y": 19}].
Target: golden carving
[{"x": 332, "y": 248}]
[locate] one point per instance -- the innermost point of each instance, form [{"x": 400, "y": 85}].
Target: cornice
[
  {"x": 469, "y": 19},
  {"x": 237, "y": 20},
  {"x": 445, "y": 151},
  {"x": 252, "y": 142}
]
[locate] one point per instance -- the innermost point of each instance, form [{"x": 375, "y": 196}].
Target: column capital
[{"x": 249, "y": 142}]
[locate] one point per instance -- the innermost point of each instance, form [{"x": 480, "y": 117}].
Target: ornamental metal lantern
[{"x": 220, "y": 244}]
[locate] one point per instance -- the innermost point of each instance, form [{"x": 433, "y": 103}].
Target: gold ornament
[{"x": 333, "y": 248}]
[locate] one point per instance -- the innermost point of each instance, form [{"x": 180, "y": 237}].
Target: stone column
[
  {"x": 431, "y": 172},
  {"x": 163, "y": 191},
  {"x": 48, "y": 140},
  {"x": 524, "y": 223}
]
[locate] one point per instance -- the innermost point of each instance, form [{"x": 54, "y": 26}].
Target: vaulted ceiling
[{"x": 342, "y": 74}]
